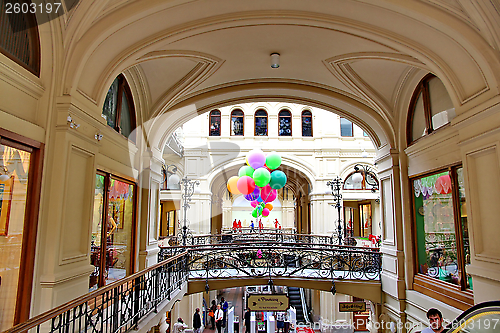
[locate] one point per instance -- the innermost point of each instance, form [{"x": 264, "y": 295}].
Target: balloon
[
  {"x": 278, "y": 179},
  {"x": 254, "y": 195},
  {"x": 246, "y": 171},
  {"x": 272, "y": 196},
  {"x": 265, "y": 191},
  {"x": 261, "y": 177},
  {"x": 254, "y": 203},
  {"x": 265, "y": 212},
  {"x": 255, "y": 213},
  {"x": 269, "y": 206},
  {"x": 273, "y": 160},
  {"x": 256, "y": 158},
  {"x": 259, "y": 199},
  {"x": 245, "y": 185},
  {"x": 232, "y": 185}
]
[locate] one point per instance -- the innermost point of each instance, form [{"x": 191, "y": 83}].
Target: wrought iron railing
[
  {"x": 291, "y": 260},
  {"x": 249, "y": 236},
  {"x": 117, "y": 307}
]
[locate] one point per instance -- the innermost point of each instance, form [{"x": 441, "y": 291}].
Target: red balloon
[{"x": 245, "y": 185}]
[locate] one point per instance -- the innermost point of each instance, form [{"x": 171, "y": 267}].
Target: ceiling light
[{"x": 275, "y": 60}]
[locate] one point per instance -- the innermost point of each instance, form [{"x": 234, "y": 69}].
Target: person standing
[
  {"x": 247, "y": 321},
  {"x": 435, "y": 320},
  {"x": 280, "y": 322},
  {"x": 179, "y": 326},
  {"x": 219, "y": 318},
  {"x": 196, "y": 321},
  {"x": 213, "y": 308}
]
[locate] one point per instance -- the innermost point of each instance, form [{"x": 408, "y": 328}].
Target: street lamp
[
  {"x": 336, "y": 186},
  {"x": 170, "y": 177},
  {"x": 188, "y": 186},
  {"x": 363, "y": 172}
]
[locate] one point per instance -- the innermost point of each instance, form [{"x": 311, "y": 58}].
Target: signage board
[
  {"x": 268, "y": 302},
  {"x": 352, "y": 306}
]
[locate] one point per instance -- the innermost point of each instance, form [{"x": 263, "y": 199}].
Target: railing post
[
  {"x": 137, "y": 297},
  {"x": 114, "y": 316}
]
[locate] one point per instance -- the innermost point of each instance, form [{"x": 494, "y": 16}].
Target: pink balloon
[
  {"x": 265, "y": 212},
  {"x": 271, "y": 196},
  {"x": 245, "y": 185},
  {"x": 265, "y": 192},
  {"x": 254, "y": 203}
]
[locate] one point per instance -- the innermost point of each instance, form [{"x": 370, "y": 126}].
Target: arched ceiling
[{"x": 355, "y": 57}]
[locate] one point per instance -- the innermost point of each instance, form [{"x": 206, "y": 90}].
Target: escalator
[{"x": 296, "y": 296}]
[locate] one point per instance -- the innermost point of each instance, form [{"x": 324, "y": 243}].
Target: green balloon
[
  {"x": 255, "y": 213},
  {"x": 278, "y": 179},
  {"x": 261, "y": 177},
  {"x": 273, "y": 160},
  {"x": 246, "y": 171}
]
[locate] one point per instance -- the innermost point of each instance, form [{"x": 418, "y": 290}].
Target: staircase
[{"x": 296, "y": 302}]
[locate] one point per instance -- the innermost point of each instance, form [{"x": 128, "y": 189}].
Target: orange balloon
[
  {"x": 269, "y": 206},
  {"x": 231, "y": 185}
]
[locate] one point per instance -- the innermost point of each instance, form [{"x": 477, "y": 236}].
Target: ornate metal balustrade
[
  {"x": 119, "y": 306},
  {"x": 251, "y": 236},
  {"x": 291, "y": 260}
]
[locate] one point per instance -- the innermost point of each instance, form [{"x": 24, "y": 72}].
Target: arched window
[
  {"x": 237, "y": 122},
  {"x": 285, "y": 123},
  {"x": 19, "y": 38},
  {"x": 367, "y": 181},
  {"x": 346, "y": 128},
  {"x": 214, "y": 123},
  {"x": 261, "y": 123},
  {"x": 307, "y": 123},
  {"x": 430, "y": 108},
  {"x": 118, "y": 108}
]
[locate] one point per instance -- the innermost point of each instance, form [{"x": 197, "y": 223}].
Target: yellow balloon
[
  {"x": 269, "y": 206},
  {"x": 246, "y": 160},
  {"x": 231, "y": 185}
]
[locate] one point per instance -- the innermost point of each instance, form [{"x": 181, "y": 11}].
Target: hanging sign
[
  {"x": 268, "y": 302},
  {"x": 352, "y": 306}
]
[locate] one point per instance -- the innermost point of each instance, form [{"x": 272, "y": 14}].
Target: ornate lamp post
[
  {"x": 362, "y": 173},
  {"x": 336, "y": 186},
  {"x": 188, "y": 186}
]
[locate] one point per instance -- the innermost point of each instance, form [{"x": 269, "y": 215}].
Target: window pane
[
  {"x": 13, "y": 194},
  {"x": 345, "y": 127},
  {"x": 442, "y": 110},
  {"x": 237, "y": 122},
  {"x": 435, "y": 227},
  {"x": 365, "y": 134},
  {"x": 125, "y": 117},
  {"x": 463, "y": 220},
  {"x": 349, "y": 184},
  {"x": 215, "y": 123},
  {"x": 109, "y": 107},
  {"x": 285, "y": 123},
  {"x": 418, "y": 124},
  {"x": 261, "y": 123},
  {"x": 119, "y": 230},
  {"x": 306, "y": 123},
  {"x": 95, "y": 241}
]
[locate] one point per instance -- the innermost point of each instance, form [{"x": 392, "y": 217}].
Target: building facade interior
[{"x": 110, "y": 109}]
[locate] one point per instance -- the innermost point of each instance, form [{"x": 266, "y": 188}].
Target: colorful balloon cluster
[{"x": 258, "y": 182}]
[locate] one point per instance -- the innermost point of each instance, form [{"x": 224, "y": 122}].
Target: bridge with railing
[{"x": 215, "y": 262}]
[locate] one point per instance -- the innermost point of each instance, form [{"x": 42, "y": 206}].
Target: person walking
[
  {"x": 179, "y": 326},
  {"x": 196, "y": 321},
  {"x": 213, "y": 308},
  {"x": 247, "y": 321},
  {"x": 219, "y": 318}
]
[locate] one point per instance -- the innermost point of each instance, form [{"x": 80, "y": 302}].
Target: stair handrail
[
  {"x": 305, "y": 313},
  {"x": 135, "y": 281}
]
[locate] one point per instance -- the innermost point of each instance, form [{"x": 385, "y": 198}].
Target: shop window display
[
  {"x": 113, "y": 243},
  {"x": 442, "y": 240}
]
